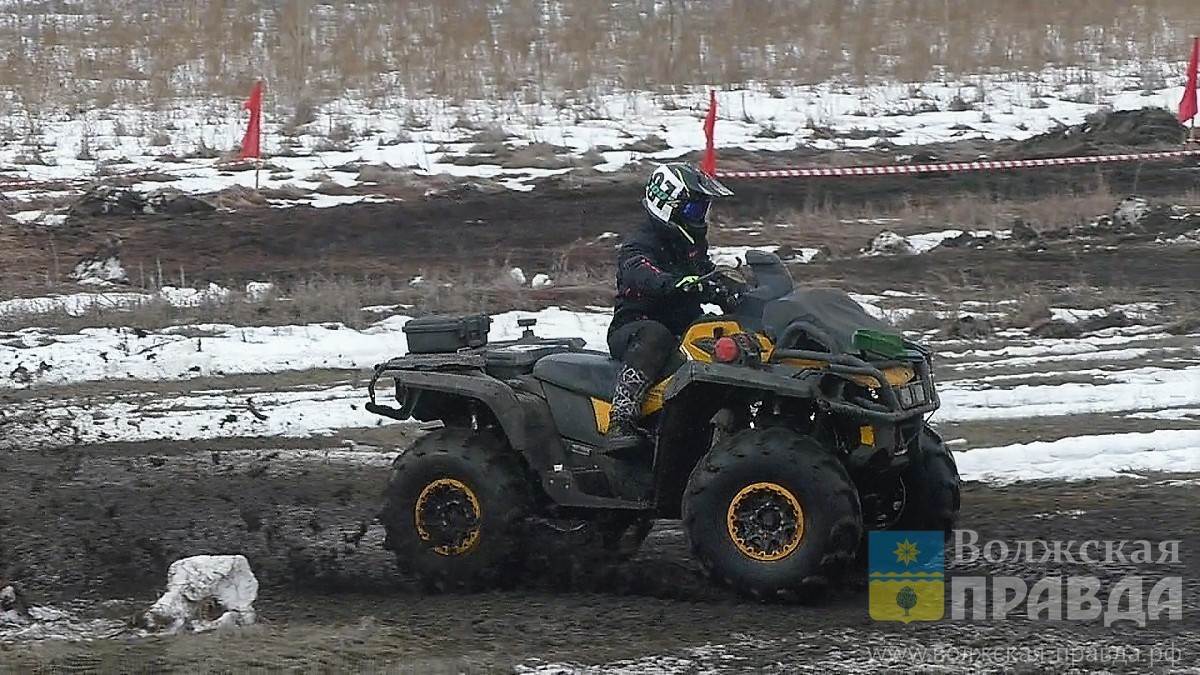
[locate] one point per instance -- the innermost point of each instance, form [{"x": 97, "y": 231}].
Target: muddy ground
[
  {"x": 103, "y": 523},
  {"x": 100, "y": 524}
]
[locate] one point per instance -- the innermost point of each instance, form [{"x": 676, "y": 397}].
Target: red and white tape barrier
[
  {"x": 983, "y": 165},
  {"x": 889, "y": 170}
]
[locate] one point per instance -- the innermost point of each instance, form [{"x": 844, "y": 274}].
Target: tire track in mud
[{"x": 330, "y": 594}]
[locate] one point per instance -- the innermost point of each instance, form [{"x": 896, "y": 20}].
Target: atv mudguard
[
  {"x": 495, "y": 394},
  {"x": 524, "y": 417},
  {"x": 779, "y": 380}
]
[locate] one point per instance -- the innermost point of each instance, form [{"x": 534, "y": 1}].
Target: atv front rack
[{"x": 889, "y": 408}]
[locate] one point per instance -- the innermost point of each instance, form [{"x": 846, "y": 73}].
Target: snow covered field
[
  {"x": 1133, "y": 374},
  {"x": 513, "y": 143}
]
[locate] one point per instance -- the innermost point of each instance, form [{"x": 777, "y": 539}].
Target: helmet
[{"x": 678, "y": 195}]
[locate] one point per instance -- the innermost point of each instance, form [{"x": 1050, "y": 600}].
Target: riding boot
[
  {"x": 627, "y": 455},
  {"x": 624, "y": 435}
]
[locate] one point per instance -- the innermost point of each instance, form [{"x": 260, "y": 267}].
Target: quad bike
[{"x": 788, "y": 428}]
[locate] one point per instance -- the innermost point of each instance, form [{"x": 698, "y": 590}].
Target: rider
[{"x": 659, "y": 290}]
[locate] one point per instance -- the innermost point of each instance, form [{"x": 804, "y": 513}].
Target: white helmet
[{"x": 678, "y": 195}]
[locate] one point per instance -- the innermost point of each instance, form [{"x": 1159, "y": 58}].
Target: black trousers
[{"x": 645, "y": 345}]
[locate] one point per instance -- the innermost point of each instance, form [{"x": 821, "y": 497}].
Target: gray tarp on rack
[{"x": 828, "y": 316}]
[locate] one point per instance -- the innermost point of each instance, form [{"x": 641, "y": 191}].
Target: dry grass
[
  {"x": 319, "y": 300},
  {"x": 534, "y": 50},
  {"x": 846, "y": 227}
]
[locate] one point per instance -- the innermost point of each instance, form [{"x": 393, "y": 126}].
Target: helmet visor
[{"x": 694, "y": 210}]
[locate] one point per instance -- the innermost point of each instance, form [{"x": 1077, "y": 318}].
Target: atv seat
[{"x": 593, "y": 374}]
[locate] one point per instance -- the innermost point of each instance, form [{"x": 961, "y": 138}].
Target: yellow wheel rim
[
  {"x": 447, "y": 513},
  {"x": 765, "y": 521}
]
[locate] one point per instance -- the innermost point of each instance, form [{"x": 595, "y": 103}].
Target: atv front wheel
[
  {"x": 453, "y": 511},
  {"x": 926, "y": 496},
  {"x": 930, "y": 488},
  {"x": 772, "y": 513}
]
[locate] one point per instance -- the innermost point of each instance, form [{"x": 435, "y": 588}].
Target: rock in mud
[
  {"x": 176, "y": 202},
  {"x": 102, "y": 267},
  {"x": 105, "y": 200},
  {"x": 1131, "y": 212},
  {"x": 890, "y": 243},
  {"x": 1024, "y": 232},
  {"x": 205, "y": 592},
  {"x": 12, "y": 605},
  {"x": 1055, "y": 329},
  {"x": 968, "y": 327},
  {"x": 1117, "y": 319},
  {"x": 383, "y": 174}
]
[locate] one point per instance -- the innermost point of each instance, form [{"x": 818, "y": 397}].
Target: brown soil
[
  {"x": 104, "y": 522},
  {"x": 470, "y": 229}
]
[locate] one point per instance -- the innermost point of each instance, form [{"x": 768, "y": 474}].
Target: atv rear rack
[{"x": 456, "y": 361}]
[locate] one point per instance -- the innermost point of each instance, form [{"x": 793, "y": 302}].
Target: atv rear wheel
[
  {"x": 772, "y": 513},
  {"x": 454, "y": 509},
  {"x": 622, "y": 536}
]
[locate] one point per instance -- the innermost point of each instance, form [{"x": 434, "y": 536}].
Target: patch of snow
[
  {"x": 26, "y": 216},
  {"x": 1007, "y": 111},
  {"x": 1083, "y": 457},
  {"x": 1073, "y": 514},
  {"x": 517, "y": 275},
  {"x": 1057, "y": 347},
  {"x": 871, "y": 304},
  {"x": 146, "y": 416},
  {"x": 1098, "y": 355},
  {"x": 256, "y": 291},
  {"x": 79, "y": 304},
  {"x": 201, "y": 585},
  {"x": 105, "y": 271},
  {"x": 1174, "y": 414},
  {"x": 1149, "y": 389},
  {"x": 888, "y": 242},
  {"x": 733, "y": 256},
  {"x": 175, "y": 353}
]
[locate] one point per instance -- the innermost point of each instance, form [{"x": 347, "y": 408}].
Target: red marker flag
[
  {"x": 709, "y": 165},
  {"x": 1187, "y": 106},
  {"x": 251, "y": 142}
]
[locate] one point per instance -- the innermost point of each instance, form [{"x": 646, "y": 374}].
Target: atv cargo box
[{"x": 446, "y": 334}]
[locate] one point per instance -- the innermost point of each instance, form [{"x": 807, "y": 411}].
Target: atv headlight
[{"x": 912, "y": 395}]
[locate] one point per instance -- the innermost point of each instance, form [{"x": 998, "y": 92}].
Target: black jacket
[{"x": 649, "y": 263}]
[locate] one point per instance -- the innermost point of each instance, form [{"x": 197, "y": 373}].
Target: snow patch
[
  {"x": 1083, "y": 457},
  {"x": 78, "y": 304},
  {"x": 98, "y": 272},
  {"x": 205, "y": 592},
  {"x": 733, "y": 256},
  {"x": 888, "y": 242}
]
